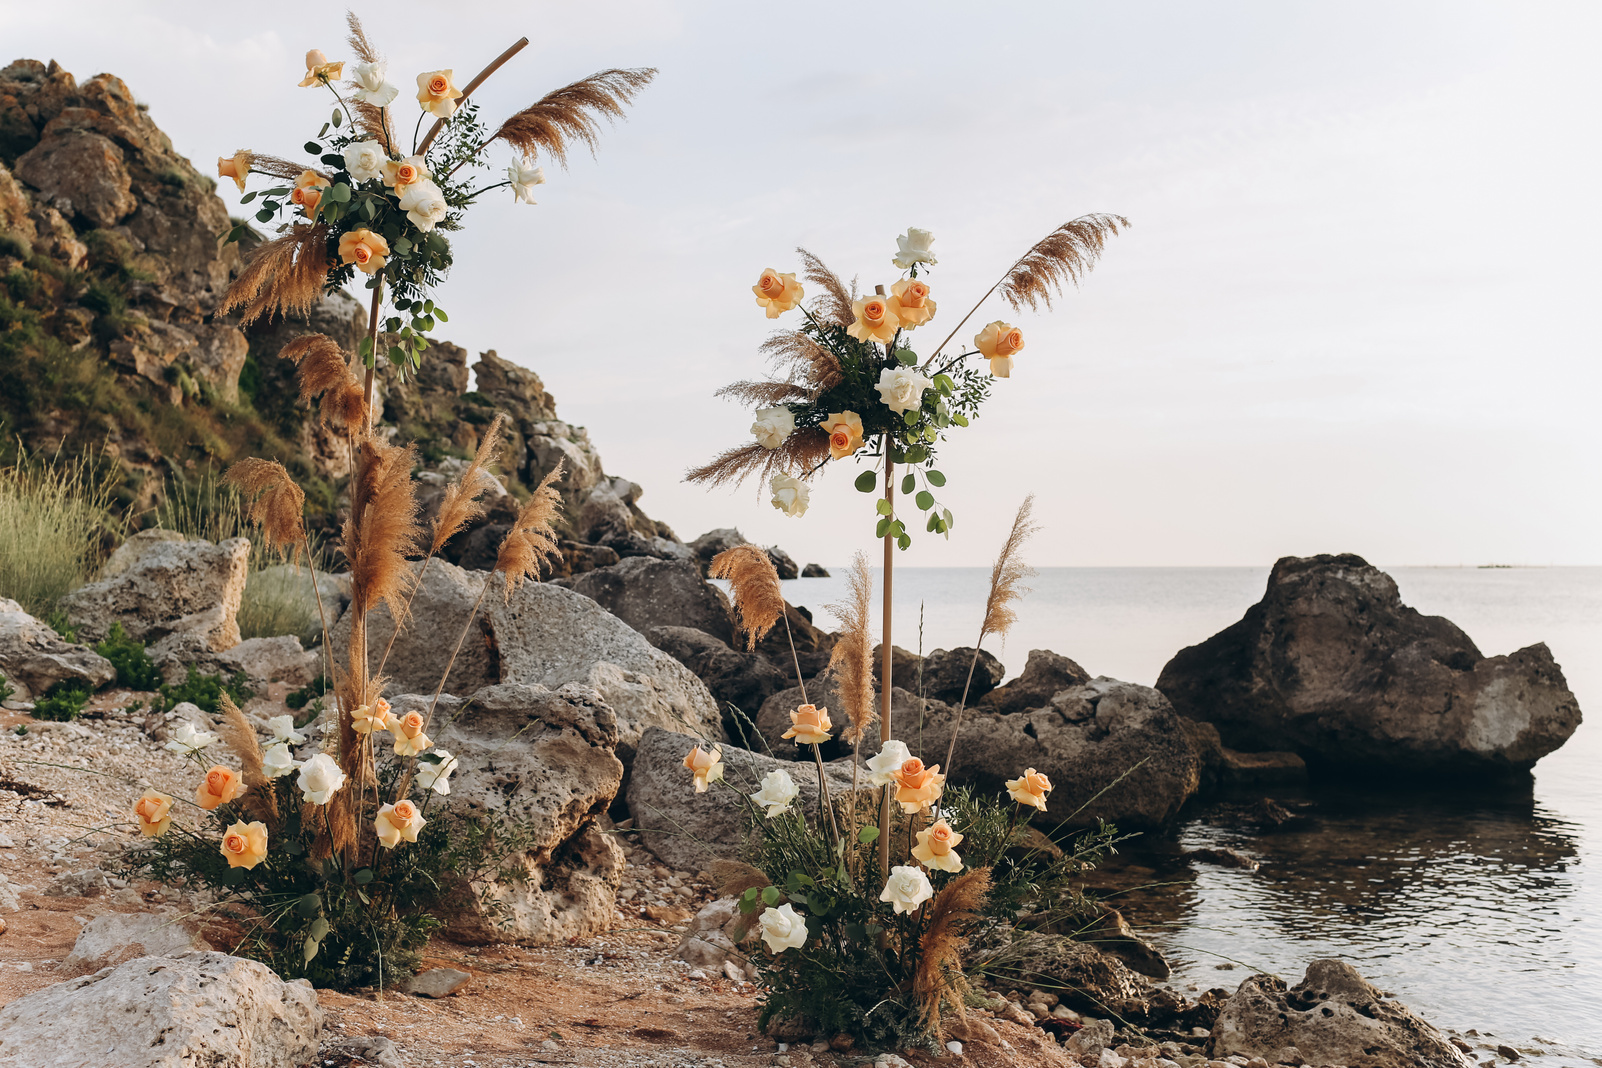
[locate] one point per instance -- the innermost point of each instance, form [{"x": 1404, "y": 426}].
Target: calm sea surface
[{"x": 1479, "y": 908}]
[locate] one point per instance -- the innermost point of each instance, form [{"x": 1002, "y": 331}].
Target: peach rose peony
[
  {"x": 437, "y": 93},
  {"x": 776, "y": 292},
  {"x": 917, "y": 787},
  {"x": 845, "y": 433},
  {"x": 909, "y": 299},
  {"x": 409, "y": 737},
  {"x": 997, "y": 343},
  {"x": 876, "y": 320},
  {"x": 809, "y": 725},
  {"x": 245, "y": 844},
  {"x": 400, "y": 173},
  {"x": 319, "y": 71},
  {"x": 936, "y": 847},
  {"x": 708, "y": 767},
  {"x": 1030, "y": 789},
  {"x": 153, "y": 810},
  {"x": 220, "y": 786},
  {"x": 308, "y": 192},
  {"x": 396, "y": 822},
  {"x": 236, "y": 167},
  {"x": 374, "y": 717},
  {"x": 365, "y": 249}
]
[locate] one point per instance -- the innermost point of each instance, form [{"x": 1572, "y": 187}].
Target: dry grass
[
  {"x": 278, "y": 167},
  {"x": 852, "y": 658},
  {"x": 801, "y": 454},
  {"x": 833, "y": 303},
  {"x": 276, "y": 504},
  {"x": 373, "y": 120},
  {"x": 1008, "y": 573},
  {"x": 240, "y": 736},
  {"x": 284, "y": 276},
  {"x": 1063, "y": 256},
  {"x": 754, "y": 581},
  {"x": 532, "y": 539},
  {"x": 939, "y": 980},
  {"x": 572, "y": 114},
  {"x": 55, "y": 520},
  {"x": 461, "y": 505},
  {"x": 378, "y": 541},
  {"x": 321, "y": 367}
]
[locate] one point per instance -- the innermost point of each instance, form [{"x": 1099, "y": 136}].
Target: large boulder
[
  {"x": 108, "y": 940},
  {"x": 165, "y": 1012},
  {"x": 544, "y": 762},
  {"x": 783, "y": 562},
  {"x": 714, "y": 542},
  {"x": 946, "y": 674},
  {"x": 1044, "y": 675},
  {"x": 180, "y": 597},
  {"x": 738, "y": 679},
  {"x": 1331, "y": 665},
  {"x": 1332, "y": 1016},
  {"x": 33, "y": 657},
  {"x": 83, "y": 173},
  {"x": 645, "y": 592},
  {"x": 1087, "y": 979}
]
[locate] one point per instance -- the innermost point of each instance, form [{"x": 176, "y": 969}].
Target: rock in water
[
  {"x": 1331, "y": 664},
  {"x": 1332, "y": 1017},
  {"x": 946, "y": 675},
  {"x": 814, "y": 571},
  {"x": 33, "y": 657},
  {"x": 783, "y": 562},
  {"x": 179, "y": 597},
  {"x": 165, "y": 1012}
]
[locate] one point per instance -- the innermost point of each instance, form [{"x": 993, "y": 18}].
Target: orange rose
[
  {"x": 1031, "y": 789},
  {"x": 809, "y": 725},
  {"x": 308, "y": 192},
  {"x": 917, "y": 787},
  {"x": 998, "y": 343},
  {"x": 708, "y": 767},
  {"x": 220, "y": 786},
  {"x": 396, "y": 822},
  {"x": 400, "y": 173},
  {"x": 935, "y": 847},
  {"x": 375, "y": 717},
  {"x": 909, "y": 299},
  {"x": 244, "y": 845},
  {"x": 235, "y": 167},
  {"x": 363, "y": 248},
  {"x": 437, "y": 93},
  {"x": 845, "y": 433},
  {"x": 409, "y": 737},
  {"x": 154, "y": 812},
  {"x": 319, "y": 71},
  {"x": 776, "y": 292},
  {"x": 876, "y": 320}
]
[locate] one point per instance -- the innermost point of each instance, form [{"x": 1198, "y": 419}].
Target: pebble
[
  {"x": 1507, "y": 1052},
  {"x": 954, "y": 1046}
]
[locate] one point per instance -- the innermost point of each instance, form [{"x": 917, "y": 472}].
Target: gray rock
[
  {"x": 646, "y": 593},
  {"x": 1332, "y": 1017},
  {"x": 177, "y": 597},
  {"x": 370, "y": 1051},
  {"x": 165, "y": 1012},
  {"x": 720, "y": 938},
  {"x": 946, "y": 674},
  {"x": 783, "y": 562},
  {"x": 814, "y": 571},
  {"x": 1331, "y": 665},
  {"x": 108, "y": 940},
  {"x": 438, "y": 982},
  {"x": 735, "y": 677},
  {"x": 716, "y": 541},
  {"x": 1044, "y": 674},
  {"x": 441, "y": 607},
  {"x": 128, "y": 553},
  {"x": 263, "y": 660},
  {"x": 1091, "y": 1039},
  {"x": 1086, "y": 979},
  {"x": 33, "y": 657},
  {"x": 91, "y": 882}
]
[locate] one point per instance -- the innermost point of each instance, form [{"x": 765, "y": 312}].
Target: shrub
[
  {"x": 6, "y": 689},
  {"x": 62, "y": 702},
  {"x": 135, "y": 669},
  {"x": 55, "y": 518},
  {"x": 206, "y": 691},
  {"x": 298, "y": 699}
]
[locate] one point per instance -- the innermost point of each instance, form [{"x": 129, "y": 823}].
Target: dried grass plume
[
  {"x": 572, "y": 113},
  {"x": 1063, "y": 256},
  {"x": 321, "y": 367},
  {"x": 461, "y": 505},
  {"x": 532, "y": 539},
  {"x": 276, "y": 503},
  {"x": 939, "y": 980},
  {"x": 754, "y": 581},
  {"x": 373, "y": 120},
  {"x": 1008, "y": 573},
  {"x": 833, "y": 302},
  {"x": 240, "y": 736},
  {"x": 283, "y": 276},
  {"x": 378, "y": 542},
  {"x": 852, "y": 658},
  {"x": 801, "y": 455}
]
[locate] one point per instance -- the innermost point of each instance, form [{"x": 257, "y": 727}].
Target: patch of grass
[
  {"x": 56, "y": 521},
  {"x": 62, "y": 702},
  {"x": 6, "y": 689},
  {"x": 135, "y": 669},
  {"x": 205, "y": 691}
]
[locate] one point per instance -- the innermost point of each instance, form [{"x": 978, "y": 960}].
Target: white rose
[
  {"x": 907, "y": 888},
  {"x": 424, "y": 204},
  {"x": 790, "y": 495},
  {"x": 778, "y": 790},
  {"x": 902, "y": 388},
  {"x": 320, "y": 778},
  {"x": 373, "y": 88},
  {"x": 365, "y": 160},
  {"x": 277, "y": 762},
  {"x": 437, "y": 777},
  {"x": 913, "y": 247},
  {"x": 772, "y": 426},
  {"x": 890, "y": 758},
  {"x": 282, "y": 729},
  {"x": 524, "y": 176},
  {"x": 782, "y": 929},
  {"x": 186, "y": 739}
]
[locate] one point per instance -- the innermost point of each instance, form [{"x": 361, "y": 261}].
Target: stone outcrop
[
  {"x": 716, "y": 541},
  {"x": 108, "y": 940},
  {"x": 645, "y": 592},
  {"x": 735, "y": 677},
  {"x": 783, "y": 562},
  {"x": 1333, "y": 1016},
  {"x": 1044, "y": 675},
  {"x": 166, "y": 1012},
  {"x": 945, "y": 674},
  {"x": 179, "y": 597},
  {"x": 1085, "y": 978},
  {"x": 33, "y": 657},
  {"x": 1331, "y": 665}
]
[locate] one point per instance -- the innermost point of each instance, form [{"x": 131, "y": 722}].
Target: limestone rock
[
  {"x": 945, "y": 674},
  {"x": 734, "y": 676},
  {"x": 165, "y": 1012},
  {"x": 267, "y": 660},
  {"x": 1086, "y": 979},
  {"x": 177, "y": 596},
  {"x": 645, "y": 593},
  {"x": 719, "y": 939},
  {"x": 108, "y": 940},
  {"x": 33, "y": 657},
  {"x": 1331, "y": 665},
  {"x": 1332, "y": 1017},
  {"x": 81, "y": 172},
  {"x": 361, "y": 1051},
  {"x": 1044, "y": 674},
  {"x": 128, "y": 553},
  {"x": 783, "y": 562},
  {"x": 438, "y": 982}
]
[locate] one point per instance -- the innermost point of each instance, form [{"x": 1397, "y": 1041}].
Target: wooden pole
[{"x": 439, "y": 124}]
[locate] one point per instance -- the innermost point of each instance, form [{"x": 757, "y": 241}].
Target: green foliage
[
  {"x": 63, "y": 701},
  {"x": 6, "y": 689},
  {"x": 135, "y": 669},
  {"x": 205, "y": 691},
  {"x": 298, "y": 699},
  {"x": 55, "y": 522}
]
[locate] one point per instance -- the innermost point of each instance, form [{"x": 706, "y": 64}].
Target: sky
[{"x": 1355, "y": 311}]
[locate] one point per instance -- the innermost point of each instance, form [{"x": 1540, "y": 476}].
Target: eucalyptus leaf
[
  {"x": 911, "y": 416},
  {"x": 248, "y": 197},
  {"x": 309, "y": 906},
  {"x": 881, "y": 528},
  {"x": 310, "y": 948},
  {"x": 925, "y": 500},
  {"x": 936, "y": 479},
  {"x": 439, "y": 313},
  {"x": 905, "y": 542},
  {"x": 906, "y": 357},
  {"x": 335, "y": 121},
  {"x": 312, "y": 147},
  {"x": 363, "y": 877},
  {"x": 908, "y": 484},
  {"x": 882, "y": 506},
  {"x": 868, "y": 835},
  {"x": 944, "y": 383},
  {"x": 959, "y": 419},
  {"x": 867, "y": 481},
  {"x": 770, "y": 896}
]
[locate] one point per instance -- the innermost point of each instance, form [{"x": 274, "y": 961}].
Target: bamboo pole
[
  {"x": 885, "y": 680},
  {"x": 439, "y": 124}
]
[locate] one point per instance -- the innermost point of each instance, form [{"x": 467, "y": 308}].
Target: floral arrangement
[{"x": 331, "y": 863}]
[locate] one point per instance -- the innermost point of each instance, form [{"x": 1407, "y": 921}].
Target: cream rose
[
  {"x": 883, "y": 766},
  {"x": 790, "y": 495},
  {"x": 998, "y": 343},
  {"x": 402, "y": 173},
  {"x": 876, "y": 321},
  {"x": 236, "y": 167},
  {"x": 187, "y": 739},
  {"x": 371, "y": 88},
  {"x": 910, "y": 300},
  {"x": 437, "y": 777},
  {"x": 365, "y": 719},
  {"x": 1030, "y": 789},
  {"x": 319, "y": 71},
  {"x": 409, "y": 737},
  {"x": 282, "y": 728},
  {"x": 845, "y": 433},
  {"x": 437, "y": 93},
  {"x": 778, "y": 791},
  {"x": 917, "y": 787},
  {"x": 936, "y": 847},
  {"x": 365, "y": 249},
  {"x": 907, "y": 888},
  {"x": 773, "y": 425},
  {"x": 524, "y": 176},
  {"x": 245, "y": 844},
  {"x": 902, "y": 388},
  {"x": 913, "y": 247},
  {"x": 365, "y": 160},
  {"x": 777, "y": 293},
  {"x": 220, "y": 786},
  {"x": 320, "y": 778},
  {"x": 153, "y": 811},
  {"x": 782, "y": 928},
  {"x": 396, "y": 822},
  {"x": 277, "y": 762},
  {"x": 424, "y": 204},
  {"x": 809, "y": 725},
  {"x": 707, "y": 767}
]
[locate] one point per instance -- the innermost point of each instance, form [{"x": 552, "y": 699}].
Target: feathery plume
[
  {"x": 735, "y": 877},
  {"x": 765, "y": 394},
  {"x": 238, "y": 734},
  {"x": 572, "y": 113},
  {"x": 532, "y": 540},
  {"x": 1065, "y": 255},
  {"x": 276, "y": 503},
  {"x": 461, "y": 505},
  {"x": 278, "y": 167},
  {"x": 358, "y": 41},
  {"x": 1007, "y": 574},
  {"x": 834, "y": 301},
  {"x": 321, "y": 367},
  {"x": 939, "y": 979},
  {"x": 802, "y": 453},
  {"x": 378, "y": 542},
  {"x": 852, "y": 658},
  {"x": 758, "y": 597},
  {"x": 807, "y": 360},
  {"x": 283, "y": 277}
]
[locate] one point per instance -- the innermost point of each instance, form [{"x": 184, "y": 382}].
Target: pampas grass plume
[
  {"x": 532, "y": 539},
  {"x": 939, "y": 979},
  {"x": 852, "y": 658},
  {"x": 321, "y": 367},
  {"x": 758, "y": 596},
  {"x": 276, "y": 503},
  {"x": 461, "y": 505}
]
